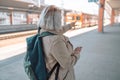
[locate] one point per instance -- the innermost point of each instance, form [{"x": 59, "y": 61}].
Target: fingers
[
  {"x": 78, "y": 49},
  {"x": 73, "y": 23},
  {"x": 53, "y": 8}
]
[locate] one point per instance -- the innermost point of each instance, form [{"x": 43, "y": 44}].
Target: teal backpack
[{"x": 34, "y": 61}]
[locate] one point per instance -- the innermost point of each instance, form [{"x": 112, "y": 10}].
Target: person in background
[{"x": 57, "y": 47}]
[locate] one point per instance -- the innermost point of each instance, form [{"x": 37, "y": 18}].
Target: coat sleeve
[{"x": 60, "y": 52}]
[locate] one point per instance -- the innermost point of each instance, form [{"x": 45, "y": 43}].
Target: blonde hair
[{"x": 50, "y": 19}]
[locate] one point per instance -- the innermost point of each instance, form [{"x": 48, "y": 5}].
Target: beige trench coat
[{"x": 57, "y": 48}]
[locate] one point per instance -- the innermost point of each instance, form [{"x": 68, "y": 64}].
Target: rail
[{"x": 17, "y": 34}]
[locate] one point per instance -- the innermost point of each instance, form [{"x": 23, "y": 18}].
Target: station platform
[
  {"x": 100, "y": 56},
  {"x": 16, "y": 28}
]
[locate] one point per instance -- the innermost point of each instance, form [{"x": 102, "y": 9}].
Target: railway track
[
  {"x": 17, "y": 34},
  {"x": 14, "y": 31}
]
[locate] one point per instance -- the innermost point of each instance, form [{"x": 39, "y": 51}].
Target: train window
[
  {"x": 69, "y": 18},
  {"x": 77, "y": 17}
]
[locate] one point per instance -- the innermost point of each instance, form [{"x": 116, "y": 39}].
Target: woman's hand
[
  {"x": 77, "y": 50},
  {"x": 73, "y": 24},
  {"x": 54, "y": 8}
]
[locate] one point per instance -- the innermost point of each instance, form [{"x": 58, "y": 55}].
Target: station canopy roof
[
  {"x": 114, "y": 4},
  {"x": 20, "y": 5},
  {"x": 30, "y": 5}
]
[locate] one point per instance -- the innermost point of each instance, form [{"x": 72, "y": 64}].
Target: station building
[{"x": 15, "y": 12}]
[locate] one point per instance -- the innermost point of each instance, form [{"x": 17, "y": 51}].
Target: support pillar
[
  {"x": 112, "y": 17},
  {"x": 27, "y": 17},
  {"x": 65, "y": 17},
  {"x": 101, "y": 15},
  {"x": 11, "y": 18}
]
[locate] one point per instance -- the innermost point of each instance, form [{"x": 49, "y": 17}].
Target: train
[{"x": 82, "y": 19}]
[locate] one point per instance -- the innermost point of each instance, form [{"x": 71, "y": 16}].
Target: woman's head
[{"x": 50, "y": 18}]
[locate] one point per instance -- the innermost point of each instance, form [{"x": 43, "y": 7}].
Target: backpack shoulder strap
[
  {"x": 38, "y": 29},
  {"x": 44, "y": 33}
]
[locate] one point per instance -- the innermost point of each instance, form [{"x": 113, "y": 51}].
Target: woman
[{"x": 57, "y": 47}]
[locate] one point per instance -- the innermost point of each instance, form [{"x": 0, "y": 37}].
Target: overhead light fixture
[
  {"x": 18, "y": 0},
  {"x": 11, "y": 8},
  {"x": 30, "y": 5},
  {"x": 107, "y": 0}
]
